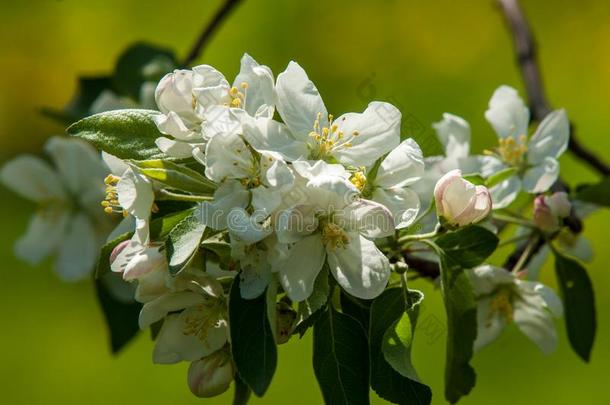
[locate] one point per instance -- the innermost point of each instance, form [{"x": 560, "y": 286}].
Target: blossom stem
[
  {"x": 513, "y": 220},
  {"x": 405, "y": 290},
  {"x": 526, "y": 254},
  {"x": 168, "y": 195},
  {"x": 421, "y": 236}
]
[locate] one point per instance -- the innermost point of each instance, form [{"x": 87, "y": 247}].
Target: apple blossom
[
  {"x": 459, "y": 202},
  {"x": 211, "y": 375}
]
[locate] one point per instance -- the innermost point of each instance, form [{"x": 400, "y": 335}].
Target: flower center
[
  {"x": 238, "y": 98},
  {"x": 333, "y": 236},
  {"x": 199, "y": 320},
  {"x": 329, "y": 138},
  {"x": 502, "y": 303},
  {"x": 111, "y": 203},
  {"x": 358, "y": 179},
  {"x": 511, "y": 150}
]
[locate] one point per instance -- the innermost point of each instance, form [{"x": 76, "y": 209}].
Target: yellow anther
[
  {"x": 358, "y": 179},
  {"x": 235, "y": 102},
  {"x": 313, "y": 134},
  {"x": 108, "y": 210},
  {"x": 355, "y": 133},
  {"x": 234, "y": 91},
  {"x": 243, "y": 85},
  {"x": 340, "y": 135},
  {"x": 330, "y": 117},
  {"x": 334, "y": 128},
  {"x": 333, "y": 236},
  {"x": 105, "y": 204},
  {"x": 325, "y": 131}
]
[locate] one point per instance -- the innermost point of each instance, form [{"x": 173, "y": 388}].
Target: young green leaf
[
  {"x": 391, "y": 326},
  {"x": 121, "y": 317},
  {"x": 183, "y": 241},
  {"x": 311, "y": 307},
  {"x": 340, "y": 358},
  {"x": 500, "y": 176},
  {"x": 252, "y": 344},
  {"x": 474, "y": 178},
  {"x": 175, "y": 176},
  {"x": 461, "y": 309},
  {"x": 126, "y": 134},
  {"x": 578, "y": 302},
  {"x": 468, "y": 246}
]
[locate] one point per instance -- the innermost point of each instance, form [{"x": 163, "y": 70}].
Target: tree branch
[
  {"x": 208, "y": 31},
  {"x": 525, "y": 49}
]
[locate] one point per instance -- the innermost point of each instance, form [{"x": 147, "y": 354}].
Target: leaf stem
[
  {"x": 526, "y": 254},
  {"x": 168, "y": 195}
]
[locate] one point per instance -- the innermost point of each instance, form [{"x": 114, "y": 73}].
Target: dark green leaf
[
  {"x": 175, "y": 176},
  {"x": 140, "y": 63},
  {"x": 252, "y": 344},
  {"x": 121, "y": 317},
  {"x": 595, "y": 193},
  {"x": 340, "y": 359},
  {"x": 579, "y": 304},
  {"x": 460, "y": 305},
  {"x": 242, "y": 392},
  {"x": 183, "y": 241},
  {"x": 103, "y": 261},
  {"x": 386, "y": 311},
  {"x": 127, "y": 134},
  {"x": 358, "y": 309},
  {"x": 468, "y": 246}
]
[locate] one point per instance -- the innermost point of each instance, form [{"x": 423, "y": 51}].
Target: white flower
[
  {"x": 399, "y": 169},
  {"x": 357, "y": 139},
  {"x": 200, "y": 103},
  {"x": 331, "y": 227},
  {"x": 200, "y": 329},
  {"x": 536, "y": 157},
  {"x": 502, "y": 298},
  {"x": 69, "y": 222},
  {"x": 548, "y": 210},
  {"x": 212, "y": 375},
  {"x": 459, "y": 201}
]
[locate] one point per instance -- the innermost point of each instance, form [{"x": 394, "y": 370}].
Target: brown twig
[
  {"x": 525, "y": 49},
  {"x": 208, "y": 31}
]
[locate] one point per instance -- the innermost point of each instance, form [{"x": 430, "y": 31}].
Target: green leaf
[
  {"x": 358, "y": 309},
  {"x": 140, "y": 63},
  {"x": 500, "y": 176},
  {"x": 175, "y": 176},
  {"x": 103, "y": 261},
  {"x": 474, "y": 178},
  {"x": 311, "y": 307},
  {"x": 127, "y": 134},
  {"x": 461, "y": 309},
  {"x": 398, "y": 338},
  {"x": 121, "y": 317},
  {"x": 595, "y": 193},
  {"x": 242, "y": 392},
  {"x": 252, "y": 344},
  {"x": 183, "y": 242},
  {"x": 470, "y": 246},
  {"x": 579, "y": 304},
  {"x": 387, "y": 320},
  {"x": 340, "y": 359},
  {"x": 271, "y": 299}
]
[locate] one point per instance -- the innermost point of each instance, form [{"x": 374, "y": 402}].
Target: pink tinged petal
[
  {"x": 540, "y": 178},
  {"x": 403, "y": 166},
  {"x": 298, "y": 272},
  {"x": 440, "y": 190},
  {"x": 454, "y": 133},
  {"x": 378, "y": 132},
  {"x": 299, "y": 102},
  {"x": 507, "y": 113},
  {"x": 32, "y": 178},
  {"x": 550, "y": 139},
  {"x": 359, "y": 267}
]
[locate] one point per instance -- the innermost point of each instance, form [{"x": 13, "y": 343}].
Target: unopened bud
[
  {"x": 459, "y": 201},
  {"x": 211, "y": 375}
]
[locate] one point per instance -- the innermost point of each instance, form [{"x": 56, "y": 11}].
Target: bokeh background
[{"x": 425, "y": 57}]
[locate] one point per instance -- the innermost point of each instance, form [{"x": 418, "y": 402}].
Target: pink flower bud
[
  {"x": 211, "y": 375},
  {"x": 559, "y": 204},
  {"x": 459, "y": 201},
  {"x": 548, "y": 210}
]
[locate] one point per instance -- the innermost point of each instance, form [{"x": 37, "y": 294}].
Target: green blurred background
[{"x": 425, "y": 57}]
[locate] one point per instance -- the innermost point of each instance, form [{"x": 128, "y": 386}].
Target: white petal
[
  {"x": 369, "y": 218},
  {"x": 254, "y": 279},
  {"x": 486, "y": 278},
  {"x": 114, "y": 164},
  {"x": 540, "y": 178},
  {"x": 172, "y": 124},
  {"x": 265, "y": 200},
  {"x": 360, "y": 268},
  {"x": 378, "y": 132},
  {"x": 175, "y": 149},
  {"x": 215, "y": 335},
  {"x": 402, "y": 202},
  {"x": 221, "y": 120},
  {"x": 489, "y": 325},
  {"x": 536, "y": 322},
  {"x": 260, "y": 90},
  {"x": 551, "y": 137},
  {"x": 157, "y": 309},
  {"x": 172, "y": 345},
  {"x": 230, "y": 195},
  {"x": 228, "y": 157},
  {"x": 247, "y": 228},
  {"x": 454, "y": 134},
  {"x": 504, "y": 193},
  {"x": 267, "y": 135},
  {"x": 44, "y": 234},
  {"x": 279, "y": 175},
  {"x": 32, "y": 178},
  {"x": 135, "y": 194},
  {"x": 402, "y": 166},
  {"x": 299, "y": 102},
  {"x": 78, "y": 250},
  {"x": 298, "y": 272},
  {"x": 550, "y": 299},
  {"x": 507, "y": 113}
]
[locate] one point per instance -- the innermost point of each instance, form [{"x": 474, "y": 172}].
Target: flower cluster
[{"x": 252, "y": 193}]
